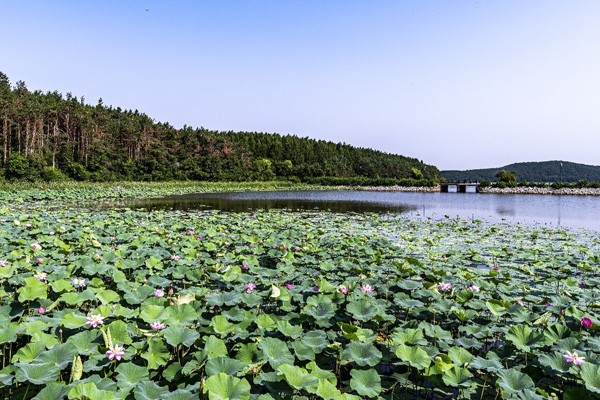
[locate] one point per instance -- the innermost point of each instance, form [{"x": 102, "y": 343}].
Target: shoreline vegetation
[{"x": 21, "y": 192}]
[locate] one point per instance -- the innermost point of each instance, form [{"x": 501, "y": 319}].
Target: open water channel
[{"x": 548, "y": 210}]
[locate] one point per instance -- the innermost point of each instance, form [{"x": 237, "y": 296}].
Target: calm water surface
[{"x": 567, "y": 211}]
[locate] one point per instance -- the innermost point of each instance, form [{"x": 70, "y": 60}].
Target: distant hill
[{"x": 545, "y": 171}]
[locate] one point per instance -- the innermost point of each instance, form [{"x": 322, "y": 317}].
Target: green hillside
[
  {"x": 544, "y": 171},
  {"x": 51, "y": 137}
]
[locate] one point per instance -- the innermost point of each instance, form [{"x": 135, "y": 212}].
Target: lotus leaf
[{"x": 366, "y": 382}]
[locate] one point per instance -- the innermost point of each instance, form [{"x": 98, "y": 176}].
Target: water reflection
[{"x": 567, "y": 211}]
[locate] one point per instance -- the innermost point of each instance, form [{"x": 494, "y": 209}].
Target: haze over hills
[{"x": 544, "y": 171}]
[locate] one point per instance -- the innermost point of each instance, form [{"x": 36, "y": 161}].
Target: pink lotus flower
[
  {"x": 95, "y": 320},
  {"x": 495, "y": 268},
  {"x": 474, "y": 288},
  {"x": 297, "y": 248},
  {"x": 3, "y": 263},
  {"x": 41, "y": 310},
  {"x": 288, "y": 286},
  {"x": 276, "y": 246},
  {"x": 157, "y": 325},
  {"x": 245, "y": 267},
  {"x": 39, "y": 260},
  {"x": 587, "y": 322},
  {"x": 78, "y": 282},
  {"x": 250, "y": 287},
  {"x": 115, "y": 351},
  {"x": 175, "y": 258},
  {"x": 316, "y": 288},
  {"x": 366, "y": 289},
  {"x": 251, "y": 245},
  {"x": 519, "y": 302},
  {"x": 285, "y": 247},
  {"x": 41, "y": 276},
  {"x": 344, "y": 289},
  {"x": 35, "y": 246},
  {"x": 574, "y": 358},
  {"x": 159, "y": 293},
  {"x": 444, "y": 286}
]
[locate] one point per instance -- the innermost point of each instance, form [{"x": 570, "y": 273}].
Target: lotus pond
[{"x": 127, "y": 304}]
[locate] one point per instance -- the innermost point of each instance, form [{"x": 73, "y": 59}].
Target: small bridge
[{"x": 460, "y": 187}]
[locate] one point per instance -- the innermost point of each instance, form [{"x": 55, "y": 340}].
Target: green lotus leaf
[
  {"x": 8, "y": 333},
  {"x": 60, "y": 355},
  {"x": 513, "y": 381},
  {"x": 33, "y": 289},
  {"x": 72, "y": 298},
  {"x": 223, "y": 364},
  {"x": 366, "y": 382},
  {"x": 73, "y": 320},
  {"x": 321, "y": 309},
  {"x": 523, "y": 337},
  {"x": 89, "y": 391},
  {"x": 590, "y": 373},
  {"x": 175, "y": 336},
  {"x": 119, "y": 333},
  {"x": 107, "y": 296},
  {"x": 577, "y": 394},
  {"x": 48, "y": 339},
  {"x": 496, "y": 307},
  {"x": 53, "y": 391},
  {"x": 362, "y": 354},
  {"x": 464, "y": 296},
  {"x": 289, "y": 330},
  {"x": 459, "y": 356},
  {"x": 298, "y": 378},
  {"x": 320, "y": 373},
  {"x": 409, "y": 285},
  {"x": 180, "y": 315},
  {"x": 38, "y": 373},
  {"x": 362, "y": 310},
  {"x": 409, "y": 336},
  {"x": 414, "y": 356},
  {"x": 265, "y": 322},
  {"x": 151, "y": 313},
  {"x": 276, "y": 352},
  {"x": 302, "y": 351},
  {"x": 554, "y": 333},
  {"x": 224, "y": 298},
  {"x": 213, "y": 347},
  {"x": 555, "y": 361},
  {"x": 457, "y": 377},
  {"x": 32, "y": 327},
  {"x": 157, "y": 354},
  {"x": 129, "y": 375},
  {"x": 150, "y": 391},
  {"x": 353, "y": 332},
  {"x": 226, "y": 387},
  {"x": 316, "y": 340},
  {"x": 221, "y": 326},
  {"x": 486, "y": 365},
  {"x": 86, "y": 342},
  {"x": 248, "y": 353},
  {"x": 61, "y": 285},
  {"x": 327, "y": 390},
  {"x": 181, "y": 394},
  {"x": 138, "y": 294},
  {"x": 29, "y": 352}
]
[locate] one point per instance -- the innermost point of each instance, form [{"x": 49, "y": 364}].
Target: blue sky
[{"x": 458, "y": 84}]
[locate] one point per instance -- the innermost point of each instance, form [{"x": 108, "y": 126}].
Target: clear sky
[{"x": 458, "y": 84}]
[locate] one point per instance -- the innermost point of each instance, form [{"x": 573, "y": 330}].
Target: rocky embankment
[
  {"x": 392, "y": 188},
  {"x": 542, "y": 190},
  {"x": 508, "y": 190}
]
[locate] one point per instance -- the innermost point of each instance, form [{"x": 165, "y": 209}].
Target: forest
[{"x": 50, "y": 136}]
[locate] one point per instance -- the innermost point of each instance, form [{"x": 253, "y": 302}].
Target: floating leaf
[
  {"x": 365, "y": 382},
  {"x": 226, "y": 387}
]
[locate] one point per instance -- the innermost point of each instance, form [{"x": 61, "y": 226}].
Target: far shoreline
[{"x": 484, "y": 190}]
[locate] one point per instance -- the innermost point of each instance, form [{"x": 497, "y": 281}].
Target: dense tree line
[
  {"x": 545, "y": 171},
  {"x": 50, "y": 136}
]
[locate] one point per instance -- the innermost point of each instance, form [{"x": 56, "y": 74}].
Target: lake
[{"x": 555, "y": 211}]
